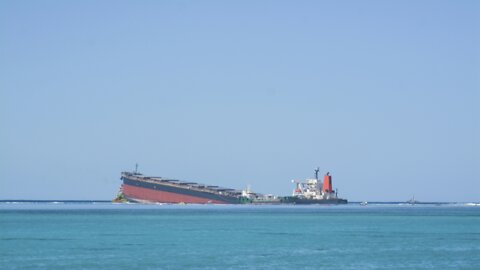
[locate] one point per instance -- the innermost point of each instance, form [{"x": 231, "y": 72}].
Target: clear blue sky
[{"x": 383, "y": 94}]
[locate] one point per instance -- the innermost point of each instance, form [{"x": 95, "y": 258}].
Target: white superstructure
[{"x": 314, "y": 189}]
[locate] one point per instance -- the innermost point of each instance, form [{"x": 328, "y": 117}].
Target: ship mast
[{"x": 316, "y": 172}]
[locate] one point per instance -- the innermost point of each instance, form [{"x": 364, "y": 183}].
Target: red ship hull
[{"x": 144, "y": 194}]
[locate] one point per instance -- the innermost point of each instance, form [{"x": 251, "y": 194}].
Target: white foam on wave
[{"x": 472, "y": 204}]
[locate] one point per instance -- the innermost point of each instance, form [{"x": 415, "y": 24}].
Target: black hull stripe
[{"x": 183, "y": 191}]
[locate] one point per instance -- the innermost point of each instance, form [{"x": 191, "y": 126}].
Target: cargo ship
[
  {"x": 140, "y": 188},
  {"x": 137, "y": 187},
  {"x": 313, "y": 191}
]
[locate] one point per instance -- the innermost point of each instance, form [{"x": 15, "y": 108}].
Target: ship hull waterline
[{"x": 321, "y": 201}]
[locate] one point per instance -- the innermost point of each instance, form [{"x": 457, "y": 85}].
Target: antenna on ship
[
  {"x": 316, "y": 172},
  {"x": 136, "y": 168}
]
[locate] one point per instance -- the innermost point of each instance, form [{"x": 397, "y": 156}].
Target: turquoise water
[{"x": 110, "y": 236}]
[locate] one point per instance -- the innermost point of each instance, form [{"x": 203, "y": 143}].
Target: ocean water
[{"x": 128, "y": 236}]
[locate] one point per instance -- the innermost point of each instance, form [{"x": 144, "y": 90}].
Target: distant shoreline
[
  {"x": 62, "y": 201},
  {"x": 109, "y": 201}
]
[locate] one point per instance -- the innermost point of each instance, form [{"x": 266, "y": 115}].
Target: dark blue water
[{"x": 110, "y": 236}]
